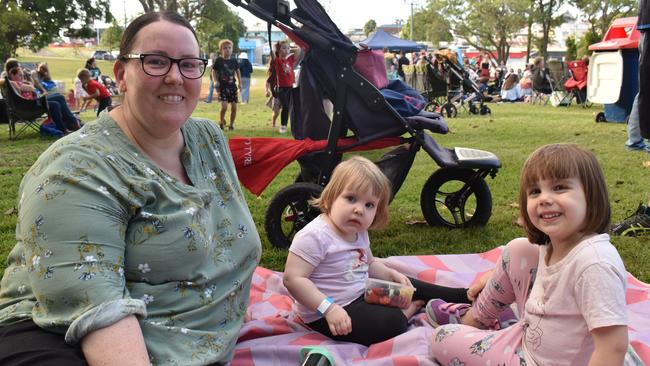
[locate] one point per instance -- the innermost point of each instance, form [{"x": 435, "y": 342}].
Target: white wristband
[{"x": 324, "y": 305}]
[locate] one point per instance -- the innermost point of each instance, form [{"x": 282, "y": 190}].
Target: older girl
[{"x": 567, "y": 279}]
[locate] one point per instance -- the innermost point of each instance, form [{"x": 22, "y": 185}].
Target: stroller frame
[
  {"x": 456, "y": 98},
  {"x": 289, "y": 210}
]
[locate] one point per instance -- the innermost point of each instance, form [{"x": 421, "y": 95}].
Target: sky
[{"x": 347, "y": 14}]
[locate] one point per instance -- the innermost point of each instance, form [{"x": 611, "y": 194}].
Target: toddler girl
[
  {"x": 569, "y": 289},
  {"x": 330, "y": 260}
]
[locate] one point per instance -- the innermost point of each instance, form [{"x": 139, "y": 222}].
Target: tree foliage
[
  {"x": 600, "y": 14},
  {"x": 190, "y": 9},
  {"x": 545, "y": 14},
  {"x": 213, "y": 19},
  {"x": 587, "y": 39},
  {"x": 369, "y": 27},
  {"x": 428, "y": 25},
  {"x": 112, "y": 36},
  {"x": 571, "y": 48},
  {"x": 486, "y": 25},
  {"x": 217, "y": 22},
  {"x": 34, "y": 23}
]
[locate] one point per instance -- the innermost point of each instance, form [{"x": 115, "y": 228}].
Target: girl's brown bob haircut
[
  {"x": 361, "y": 175},
  {"x": 566, "y": 161}
]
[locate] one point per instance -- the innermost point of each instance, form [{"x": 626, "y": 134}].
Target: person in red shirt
[
  {"x": 285, "y": 62},
  {"x": 95, "y": 90}
]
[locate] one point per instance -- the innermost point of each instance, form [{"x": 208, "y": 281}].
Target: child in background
[
  {"x": 567, "y": 279},
  {"x": 226, "y": 76},
  {"x": 95, "y": 90},
  {"x": 330, "y": 260}
]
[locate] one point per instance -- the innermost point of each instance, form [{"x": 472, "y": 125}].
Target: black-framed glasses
[{"x": 154, "y": 64}]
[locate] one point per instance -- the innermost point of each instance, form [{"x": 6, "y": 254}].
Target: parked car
[{"x": 103, "y": 55}]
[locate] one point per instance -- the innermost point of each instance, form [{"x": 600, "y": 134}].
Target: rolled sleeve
[
  {"x": 103, "y": 316},
  {"x": 72, "y": 225}
]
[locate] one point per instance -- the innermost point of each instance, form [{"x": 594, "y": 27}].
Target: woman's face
[
  {"x": 16, "y": 74},
  {"x": 160, "y": 104}
]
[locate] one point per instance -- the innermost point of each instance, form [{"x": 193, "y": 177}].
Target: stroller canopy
[{"x": 381, "y": 39}]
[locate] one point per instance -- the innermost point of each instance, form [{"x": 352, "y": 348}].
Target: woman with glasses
[
  {"x": 135, "y": 245},
  {"x": 58, "y": 110}
]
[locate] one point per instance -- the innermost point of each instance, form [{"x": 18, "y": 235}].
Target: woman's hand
[
  {"x": 268, "y": 93},
  {"x": 338, "y": 320}
]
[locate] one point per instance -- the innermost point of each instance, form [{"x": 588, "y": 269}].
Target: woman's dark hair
[
  {"x": 128, "y": 37},
  {"x": 10, "y": 64},
  {"x": 89, "y": 63},
  {"x": 511, "y": 81}
]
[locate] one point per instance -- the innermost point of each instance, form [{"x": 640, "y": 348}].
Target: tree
[
  {"x": 600, "y": 14},
  {"x": 34, "y": 24},
  {"x": 429, "y": 26},
  {"x": 213, "y": 20},
  {"x": 545, "y": 15},
  {"x": 190, "y": 9},
  {"x": 112, "y": 36},
  {"x": 487, "y": 25},
  {"x": 217, "y": 22},
  {"x": 571, "y": 48},
  {"x": 587, "y": 39},
  {"x": 369, "y": 27}
]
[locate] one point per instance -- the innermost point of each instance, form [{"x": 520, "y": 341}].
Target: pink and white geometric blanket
[{"x": 272, "y": 336}]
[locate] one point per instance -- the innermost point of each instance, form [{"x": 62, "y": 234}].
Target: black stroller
[
  {"x": 461, "y": 89},
  {"x": 455, "y": 195}
]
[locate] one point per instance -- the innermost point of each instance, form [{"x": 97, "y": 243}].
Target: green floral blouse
[{"x": 103, "y": 233}]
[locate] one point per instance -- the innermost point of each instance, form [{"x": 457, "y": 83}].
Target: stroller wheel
[
  {"x": 449, "y": 110},
  {"x": 600, "y": 117},
  {"x": 473, "y": 109},
  {"x": 485, "y": 110},
  {"x": 432, "y": 107},
  {"x": 289, "y": 211},
  {"x": 456, "y": 198}
]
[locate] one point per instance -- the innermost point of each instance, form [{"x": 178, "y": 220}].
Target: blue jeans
[
  {"x": 634, "y": 139},
  {"x": 210, "y": 92},
  {"x": 60, "y": 113},
  {"x": 245, "y": 89}
]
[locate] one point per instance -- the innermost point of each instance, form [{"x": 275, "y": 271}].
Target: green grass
[{"x": 512, "y": 132}]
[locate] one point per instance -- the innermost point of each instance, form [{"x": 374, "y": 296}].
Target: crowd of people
[
  {"x": 63, "y": 107},
  {"x": 157, "y": 185}
]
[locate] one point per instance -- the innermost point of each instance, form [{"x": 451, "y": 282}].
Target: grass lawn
[{"x": 512, "y": 132}]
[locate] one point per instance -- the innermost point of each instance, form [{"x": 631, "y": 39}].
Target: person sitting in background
[
  {"x": 539, "y": 76},
  {"x": 95, "y": 90},
  {"x": 511, "y": 92},
  {"x": 43, "y": 81},
  {"x": 91, "y": 65},
  {"x": 63, "y": 118}
]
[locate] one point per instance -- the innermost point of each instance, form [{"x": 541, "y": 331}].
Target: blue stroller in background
[{"x": 455, "y": 195}]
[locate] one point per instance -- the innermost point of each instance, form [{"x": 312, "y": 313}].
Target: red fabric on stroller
[
  {"x": 578, "y": 80},
  {"x": 259, "y": 159}
]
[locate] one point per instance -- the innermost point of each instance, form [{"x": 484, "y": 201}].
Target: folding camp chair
[
  {"x": 30, "y": 112},
  {"x": 576, "y": 85}
]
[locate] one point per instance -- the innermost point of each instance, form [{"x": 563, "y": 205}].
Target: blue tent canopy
[{"x": 381, "y": 39}]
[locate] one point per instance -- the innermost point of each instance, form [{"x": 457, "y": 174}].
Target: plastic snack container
[{"x": 388, "y": 293}]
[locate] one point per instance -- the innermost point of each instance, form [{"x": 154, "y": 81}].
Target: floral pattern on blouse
[{"x": 104, "y": 233}]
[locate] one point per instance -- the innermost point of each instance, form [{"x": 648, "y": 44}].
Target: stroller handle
[{"x": 263, "y": 14}]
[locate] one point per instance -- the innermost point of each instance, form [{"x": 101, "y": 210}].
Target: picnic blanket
[{"x": 273, "y": 336}]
